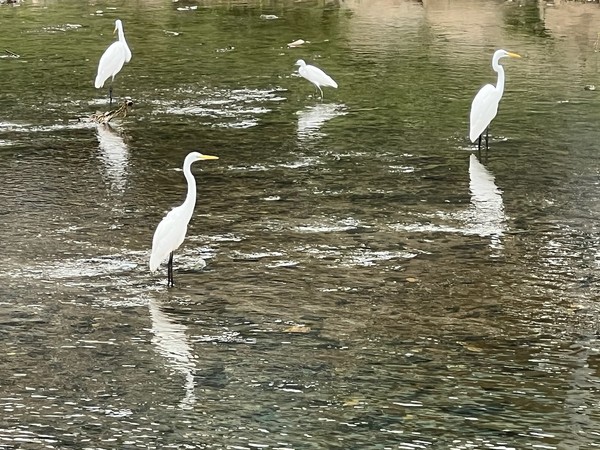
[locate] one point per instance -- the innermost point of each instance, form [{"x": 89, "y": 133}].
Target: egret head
[
  {"x": 197, "y": 156},
  {"x": 118, "y": 25},
  {"x": 300, "y": 63},
  {"x": 503, "y": 53}
]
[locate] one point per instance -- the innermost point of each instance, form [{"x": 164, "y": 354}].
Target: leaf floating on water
[
  {"x": 412, "y": 279},
  {"x": 297, "y": 329},
  {"x": 297, "y": 43},
  {"x": 589, "y": 87},
  {"x": 172, "y": 33},
  {"x": 471, "y": 348},
  {"x": 352, "y": 402},
  {"x": 268, "y": 16}
]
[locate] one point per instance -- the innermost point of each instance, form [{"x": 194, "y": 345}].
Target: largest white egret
[
  {"x": 113, "y": 59},
  {"x": 485, "y": 104},
  {"x": 170, "y": 232},
  {"x": 315, "y": 75}
]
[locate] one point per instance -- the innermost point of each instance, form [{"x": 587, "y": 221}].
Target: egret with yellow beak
[
  {"x": 170, "y": 232},
  {"x": 485, "y": 104}
]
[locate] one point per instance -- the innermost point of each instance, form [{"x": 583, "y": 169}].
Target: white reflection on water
[
  {"x": 77, "y": 269},
  {"x": 486, "y": 214},
  {"x": 236, "y": 108},
  {"x": 29, "y": 128},
  {"x": 172, "y": 343},
  {"x": 114, "y": 155},
  {"x": 299, "y": 163},
  {"x": 330, "y": 225},
  {"x": 312, "y": 118},
  {"x": 368, "y": 257}
]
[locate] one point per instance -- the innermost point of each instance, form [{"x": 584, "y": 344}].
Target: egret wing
[
  {"x": 483, "y": 110},
  {"x": 110, "y": 63},
  {"x": 127, "y": 52},
  {"x": 317, "y": 76},
  {"x": 169, "y": 235}
]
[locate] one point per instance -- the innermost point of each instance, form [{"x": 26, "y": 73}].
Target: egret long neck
[
  {"x": 500, "y": 83},
  {"x": 121, "y": 34},
  {"x": 190, "y": 199}
]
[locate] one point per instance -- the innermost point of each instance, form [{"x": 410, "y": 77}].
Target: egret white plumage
[
  {"x": 170, "y": 232},
  {"x": 485, "y": 104},
  {"x": 315, "y": 75},
  {"x": 113, "y": 59}
]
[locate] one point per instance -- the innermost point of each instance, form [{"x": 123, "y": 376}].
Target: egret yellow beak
[
  {"x": 513, "y": 55},
  {"x": 208, "y": 157},
  {"x": 115, "y": 30}
]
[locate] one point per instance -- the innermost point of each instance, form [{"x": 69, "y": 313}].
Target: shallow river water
[{"x": 355, "y": 275}]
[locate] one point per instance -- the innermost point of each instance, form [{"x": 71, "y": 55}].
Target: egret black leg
[
  {"x": 479, "y": 144},
  {"x": 487, "y": 130},
  {"x": 110, "y": 95},
  {"x": 170, "y": 271}
]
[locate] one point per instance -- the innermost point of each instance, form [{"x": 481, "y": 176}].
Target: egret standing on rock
[
  {"x": 170, "y": 232},
  {"x": 485, "y": 104},
  {"x": 315, "y": 75},
  {"x": 112, "y": 60}
]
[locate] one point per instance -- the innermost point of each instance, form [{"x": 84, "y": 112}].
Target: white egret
[
  {"x": 315, "y": 75},
  {"x": 485, "y": 104},
  {"x": 170, "y": 232},
  {"x": 112, "y": 60}
]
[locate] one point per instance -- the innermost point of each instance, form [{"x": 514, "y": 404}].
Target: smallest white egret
[
  {"x": 315, "y": 75},
  {"x": 113, "y": 59},
  {"x": 170, "y": 232}
]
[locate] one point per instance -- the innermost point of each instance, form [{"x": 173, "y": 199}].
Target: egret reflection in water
[
  {"x": 114, "y": 155},
  {"x": 483, "y": 217},
  {"x": 172, "y": 343},
  {"x": 312, "y": 118},
  {"x": 486, "y": 213}
]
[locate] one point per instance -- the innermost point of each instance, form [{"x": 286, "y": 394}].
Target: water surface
[{"x": 354, "y": 276}]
